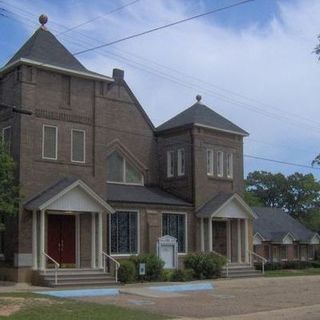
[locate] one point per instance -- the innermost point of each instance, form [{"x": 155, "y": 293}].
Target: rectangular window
[
  {"x": 209, "y": 162},
  {"x": 220, "y": 164},
  {"x": 296, "y": 252},
  {"x": 283, "y": 252},
  {"x": 181, "y": 162},
  {"x": 303, "y": 252},
  {"x": 229, "y": 165},
  {"x": 311, "y": 252},
  {"x": 170, "y": 164},
  {"x": 50, "y": 142},
  {"x": 6, "y": 138},
  {"x": 124, "y": 232},
  {"x": 275, "y": 253},
  {"x": 174, "y": 225},
  {"x": 78, "y": 145}
]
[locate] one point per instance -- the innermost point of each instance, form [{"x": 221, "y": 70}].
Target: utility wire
[
  {"x": 98, "y": 17},
  {"x": 281, "y": 162},
  {"x": 165, "y": 26}
]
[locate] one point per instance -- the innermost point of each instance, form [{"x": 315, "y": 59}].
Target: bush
[
  {"x": 182, "y": 275},
  {"x": 154, "y": 267},
  {"x": 269, "y": 266},
  {"x": 127, "y": 272},
  {"x": 166, "y": 275},
  {"x": 204, "y": 265}
]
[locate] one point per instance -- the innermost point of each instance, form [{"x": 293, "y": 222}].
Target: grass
[
  {"x": 33, "y": 307},
  {"x": 292, "y": 273}
]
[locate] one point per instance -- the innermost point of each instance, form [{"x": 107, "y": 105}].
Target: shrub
[
  {"x": 127, "y": 272},
  {"x": 204, "y": 265},
  {"x": 288, "y": 265},
  {"x": 166, "y": 275},
  {"x": 154, "y": 267},
  {"x": 182, "y": 275}
]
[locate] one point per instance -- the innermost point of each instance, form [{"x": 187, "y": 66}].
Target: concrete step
[{"x": 77, "y": 277}]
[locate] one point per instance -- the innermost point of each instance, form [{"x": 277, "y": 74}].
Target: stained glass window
[
  {"x": 124, "y": 232},
  {"x": 174, "y": 226}
]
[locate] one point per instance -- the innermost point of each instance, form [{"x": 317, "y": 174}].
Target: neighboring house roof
[
  {"x": 57, "y": 190},
  {"x": 201, "y": 115},
  {"x": 142, "y": 194},
  {"x": 274, "y": 225},
  {"x": 214, "y": 206},
  {"x": 44, "y": 49}
]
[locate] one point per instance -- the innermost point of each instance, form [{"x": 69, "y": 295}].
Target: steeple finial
[
  {"x": 43, "y": 19},
  {"x": 198, "y": 98}
]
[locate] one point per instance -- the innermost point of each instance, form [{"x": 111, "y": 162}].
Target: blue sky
[{"x": 253, "y": 64}]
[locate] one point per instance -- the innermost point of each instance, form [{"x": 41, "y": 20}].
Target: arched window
[{"x": 121, "y": 171}]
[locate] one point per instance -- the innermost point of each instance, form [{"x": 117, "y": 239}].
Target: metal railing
[
  {"x": 251, "y": 259},
  {"x": 116, "y": 263},
  {"x": 228, "y": 261},
  {"x": 56, "y": 267}
]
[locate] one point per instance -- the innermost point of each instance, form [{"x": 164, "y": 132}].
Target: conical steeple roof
[{"x": 44, "y": 47}]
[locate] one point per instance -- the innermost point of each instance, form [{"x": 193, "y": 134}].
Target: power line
[
  {"x": 165, "y": 26},
  {"x": 98, "y": 17},
  {"x": 281, "y": 162}
]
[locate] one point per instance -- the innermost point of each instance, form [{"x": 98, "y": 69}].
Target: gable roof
[
  {"x": 201, "y": 115},
  {"x": 274, "y": 224},
  {"x": 44, "y": 47},
  {"x": 142, "y": 194},
  {"x": 59, "y": 188},
  {"x": 218, "y": 202}
]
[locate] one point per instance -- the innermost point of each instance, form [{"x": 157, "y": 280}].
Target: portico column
[
  {"x": 34, "y": 241},
  {"x": 42, "y": 240},
  {"x": 202, "y": 234},
  {"x": 239, "y": 240},
  {"x": 210, "y": 234},
  {"x": 100, "y": 240},
  {"x": 228, "y": 239},
  {"x": 246, "y": 245},
  {"x": 93, "y": 240}
]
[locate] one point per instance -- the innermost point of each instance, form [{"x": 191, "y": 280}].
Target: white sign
[{"x": 167, "y": 249}]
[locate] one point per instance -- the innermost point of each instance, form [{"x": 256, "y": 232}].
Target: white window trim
[
  {"x": 230, "y": 165},
  {"x": 84, "y": 146},
  {"x": 186, "y": 229},
  {"x": 56, "y": 151},
  {"x": 220, "y": 172},
  {"x": 3, "y": 130},
  {"x": 180, "y": 153},
  {"x": 124, "y": 176},
  {"x": 170, "y": 161},
  {"x": 210, "y": 172},
  {"x": 138, "y": 233}
]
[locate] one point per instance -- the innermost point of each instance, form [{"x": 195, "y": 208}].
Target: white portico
[
  {"x": 67, "y": 226},
  {"x": 225, "y": 227}
]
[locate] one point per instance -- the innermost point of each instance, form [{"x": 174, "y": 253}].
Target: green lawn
[
  {"x": 290, "y": 273},
  {"x": 33, "y": 307}
]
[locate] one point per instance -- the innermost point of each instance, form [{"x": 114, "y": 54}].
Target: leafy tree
[
  {"x": 312, "y": 220},
  {"x": 297, "y": 194},
  {"x": 303, "y": 194},
  {"x": 252, "y": 200},
  {"x": 9, "y": 190},
  {"x": 317, "y": 48},
  {"x": 269, "y": 188}
]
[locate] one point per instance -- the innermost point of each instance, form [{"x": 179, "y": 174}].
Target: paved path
[{"x": 294, "y": 298}]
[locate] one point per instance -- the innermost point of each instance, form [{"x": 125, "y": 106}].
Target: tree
[
  {"x": 269, "y": 188},
  {"x": 9, "y": 190},
  {"x": 297, "y": 194},
  {"x": 317, "y": 48}
]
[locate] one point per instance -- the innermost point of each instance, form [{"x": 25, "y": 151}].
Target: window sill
[
  {"x": 220, "y": 178},
  {"x": 123, "y": 255},
  {"x": 63, "y": 162},
  {"x": 126, "y": 183}
]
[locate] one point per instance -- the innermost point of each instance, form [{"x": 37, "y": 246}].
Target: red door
[{"x": 61, "y": 239}]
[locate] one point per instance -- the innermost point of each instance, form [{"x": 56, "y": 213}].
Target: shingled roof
[
  {"x": 45, "y": 48},
  {"x": 273, "y": 225},
  {"x": 201, "y": 115}
]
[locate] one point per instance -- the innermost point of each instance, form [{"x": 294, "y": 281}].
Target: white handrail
[
  {"x": 56, "y": 267},
  {"x": 263, "y": 260},
  {"x": 228, "y": 261},
  {"x": 117, "y": 264}
]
